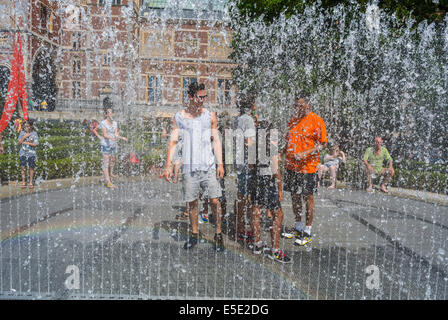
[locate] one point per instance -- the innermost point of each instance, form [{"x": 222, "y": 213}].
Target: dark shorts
[
  {"x": 264, "y": 193},
  {"x": 29, "y": 161},
  {"x": 244, "y": 178},
  {"x": 108, "y": 150},
  {"x": 300, "y": 183}
]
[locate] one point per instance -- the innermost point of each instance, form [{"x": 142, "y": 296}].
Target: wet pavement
[{"x": 79, "y": 240}]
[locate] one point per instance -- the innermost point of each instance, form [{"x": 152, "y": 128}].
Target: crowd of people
[
  {"x": 196, "y": 153},
  {"x": 196, "y": 156}
]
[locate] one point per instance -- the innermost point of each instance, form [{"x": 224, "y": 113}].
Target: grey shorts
[{"x": 200, "y": 181}]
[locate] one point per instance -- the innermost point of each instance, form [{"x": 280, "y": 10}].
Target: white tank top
[{"x": 197, "y": 152}]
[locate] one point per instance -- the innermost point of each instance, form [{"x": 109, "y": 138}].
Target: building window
[
  {"x": 185, "y": 84},
  {"x": 114, "y": 2},
  {"x": 107, "y": 59},
  {"x": 77, "y": 40},
  {"x": 156, "y": 3},
  {"x": 51, "y": 23},
  {"x": 76, "y": 90},
  {"x": 76, "y": 65},
  {"x": 224, "y": 91},
  {"x": 43, "y": 16},
  {"x": 154, "y": 89}
]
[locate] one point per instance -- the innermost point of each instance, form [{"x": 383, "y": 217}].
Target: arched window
[{"x": 4, "y": 81}]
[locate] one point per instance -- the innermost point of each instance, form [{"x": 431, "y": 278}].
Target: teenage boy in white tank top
[{"x": 201, "y": 145}]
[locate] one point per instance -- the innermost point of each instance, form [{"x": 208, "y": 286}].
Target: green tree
[{"x": 417, "y": 9}]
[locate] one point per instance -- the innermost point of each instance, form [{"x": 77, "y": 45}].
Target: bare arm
[
  {"x": 318, "y": 146},
  {"x": 216, "y": 144},
  {"x": 278, "y": 175},
  {"x": 95, "y": 132},
  {"x": 26, "y": 135},
  {"x": 118, "y": 136},
  {"x": 174, "y": 137}
]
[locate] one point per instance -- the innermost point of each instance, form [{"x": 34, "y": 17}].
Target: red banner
[{"x": 16, "y": 87}]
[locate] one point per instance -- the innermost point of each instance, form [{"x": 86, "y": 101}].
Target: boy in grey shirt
[{"x": 244, "y": 127}]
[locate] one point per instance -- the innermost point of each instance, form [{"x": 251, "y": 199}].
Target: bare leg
[
  {"x": 111, "y": 166},
  {"x": 23, "y": 177},
  {"x": 205, "y": 206},
  {"x": 31, "y": 177},
  {"x": 320, "y": 169},
  {"x": 387, "y": 173},
  {"x": 369, "y": 179},
  {"x": 216, "y": 211},
  {"x": 276, "y": 228},
  {"x": 193, "y": 214},
  {"x": 309, "y": 209},
  {"x": 106, "y": 159},
  {"x": 297, "y": 206},
  {"x": 240, "y": 221},
  {"x": 256, "y": 222},
  {"x": 332, "y": 177}
]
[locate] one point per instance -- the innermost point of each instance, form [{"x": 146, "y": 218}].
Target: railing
[
  {"x": 97, "y": 106},
  {"x": 75, "y": 105}
]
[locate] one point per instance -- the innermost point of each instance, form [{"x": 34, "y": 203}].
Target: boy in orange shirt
[{"x": 306, "y": 136}]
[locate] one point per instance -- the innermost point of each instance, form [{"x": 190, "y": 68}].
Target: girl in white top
[
  {"x": 111, "y": 134},
  {"x": 331, "y": 163}
]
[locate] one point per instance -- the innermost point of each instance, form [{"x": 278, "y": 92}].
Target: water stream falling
[{"x": 368, "y": 74}]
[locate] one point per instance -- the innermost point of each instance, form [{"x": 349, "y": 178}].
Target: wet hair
[
  {"x": 30, "y": 123},
  {"x": 105, "y": 110},
  {"x": 334, "y": 148},
  {"x": 265, "y": 124},
  {"x": 194, "y": 87},
  {"x": 303, "y": 94},
  {"x": 245, "y": 102}
]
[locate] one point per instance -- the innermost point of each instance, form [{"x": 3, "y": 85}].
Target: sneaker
[
  {"x": 258, "y": 248},
  {"x": 191, "y": 242},
  {"x": 204, "y": 218},
  {"x": 218, "y": 245},
  {"x": 304, "y": 239},
  {"x": 292, "y": 234},
  {"x": 245, "y": 238},
  {"x": 279, "y": 256}
]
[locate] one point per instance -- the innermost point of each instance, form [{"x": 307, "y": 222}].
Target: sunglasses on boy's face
[{"x": 202, "y": 97}]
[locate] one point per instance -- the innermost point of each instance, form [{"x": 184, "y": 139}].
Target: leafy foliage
[{"x": 419, "y": 10}]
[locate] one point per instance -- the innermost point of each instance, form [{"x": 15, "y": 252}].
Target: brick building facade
[{"x": 131, "y": 52}]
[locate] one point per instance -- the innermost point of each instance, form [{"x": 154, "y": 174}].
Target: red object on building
[{"x": 16, "y": 87}]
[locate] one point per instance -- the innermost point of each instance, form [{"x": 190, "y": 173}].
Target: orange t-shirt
[{"x": 302, "y": 135}]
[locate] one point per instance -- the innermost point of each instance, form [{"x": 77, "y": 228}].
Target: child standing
[
  {"x": 111, "y": 135},
  {"x": 28, "y": 140},
  {"x": 267, "y": 192}
]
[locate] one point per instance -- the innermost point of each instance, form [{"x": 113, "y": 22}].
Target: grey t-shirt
[
  {"x": 245, "y": 125},
  {"x": 27, "y": 150}
]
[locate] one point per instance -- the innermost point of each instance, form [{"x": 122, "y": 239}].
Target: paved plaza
[{"x": 78, "y": 240}]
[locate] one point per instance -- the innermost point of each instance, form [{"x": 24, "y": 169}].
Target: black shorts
[
  {"x": 29, "y": 161},
  {"x": 264, "y": 192},
  {"x": 300, "y": 183}
]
